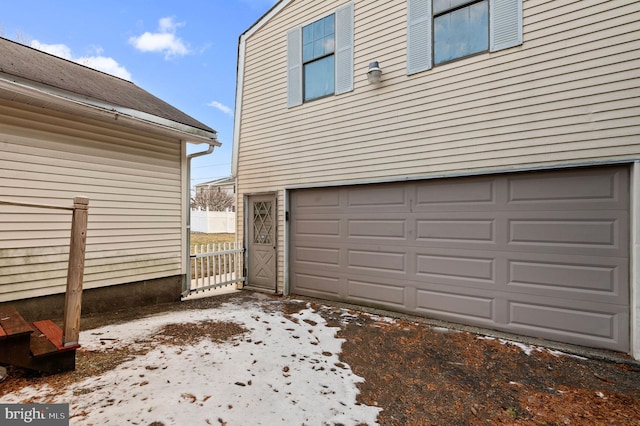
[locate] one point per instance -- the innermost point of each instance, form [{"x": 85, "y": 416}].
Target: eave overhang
[{"x": 28, "y": 92}]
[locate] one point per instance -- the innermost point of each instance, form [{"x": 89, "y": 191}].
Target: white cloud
[
  {"x": 227, "y": 110},
  {"x": 105, "y": 64},
  {"x": 59, "y": 50},
  {"x": 168, "y": 26},
  {"x": 164, "y": 41},
  {"x": 97, "y": 61}
]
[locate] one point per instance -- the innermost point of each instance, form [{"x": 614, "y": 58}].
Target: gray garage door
[{"x": 544, "y": 254}]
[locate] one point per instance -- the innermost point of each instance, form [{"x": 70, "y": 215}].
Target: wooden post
[{"x": 75, "y": 272}]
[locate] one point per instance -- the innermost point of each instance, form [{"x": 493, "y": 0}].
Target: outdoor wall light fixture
[{"x": 375, "y": 73}]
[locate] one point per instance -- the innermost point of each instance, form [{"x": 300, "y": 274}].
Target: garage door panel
[
  {"x": 377, "y": 261},
  {"x": 318, "y": 257},
  {"x": 317, "y": 285},
  {"x": 314, "y": 199},
  {"x": 456, "y": 306},
  {"x": 383, "y": 197},
  {"x": 601, "y": 326},
  {"x": 457, "y": 230},
  {"x": 456, "y": 267},
  {"x": 377, "y": 228},
  {"x": 571, "y": 235},
  {"x": 564, "y": 232},
  {"x": 540, "y": 253},
  {"x": 376, "y": 293},
  {"x": 470, "y": 192},
  {"x": 598, "y": 280},
  {"x": 587, "y": 188},
  {"x": 561, "y": 319},
  {"x": 318, "y": 228}
]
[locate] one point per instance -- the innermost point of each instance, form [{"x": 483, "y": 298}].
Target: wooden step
[
  {"x": 12, "y": 323},
  {"x": 48, "y": 339},
  {"x": 37, "y": 346}
]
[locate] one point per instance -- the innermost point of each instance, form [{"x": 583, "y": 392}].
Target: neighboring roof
[
  {"x": 219, "y": 182},
  {"x": 85, "y": 84}
]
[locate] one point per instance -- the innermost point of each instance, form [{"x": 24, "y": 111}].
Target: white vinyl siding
[
  {"x": 343, "y": 55},
  {"x": 505, "y": 30},
  {"x": 133, "y": 182},
  {"x": 568, "y": 96}
]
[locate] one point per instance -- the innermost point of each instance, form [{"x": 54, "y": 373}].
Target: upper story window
[
  {"x": 460, "y": 28},
  {"x": 318, "y": 46},
  {"x": 320, "y": 57},
  {"x": 439, "y": 31}
]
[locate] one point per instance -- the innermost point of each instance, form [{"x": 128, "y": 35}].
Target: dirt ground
[{"x": 420, "y": 374}]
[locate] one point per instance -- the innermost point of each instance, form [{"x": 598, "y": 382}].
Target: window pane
[
  {"x": 478, "y": 25},
  {"x": 461, "y": 33},
  {"x": 329, "y": 44},
  {"x": 442, "y": 5},
  {"x": 307, "y": 33},
  {"x": 319, "y": 78},
  {"x": 318, "y": 38},
  {"x": 307, "y": 52},
  {"x": 328, "y": 25}
]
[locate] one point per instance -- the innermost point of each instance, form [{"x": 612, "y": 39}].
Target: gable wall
[
  {"x": 134, "y": 185},
  {"x": 568, "y": 95}
]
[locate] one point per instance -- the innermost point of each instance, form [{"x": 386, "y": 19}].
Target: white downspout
[{"x": 212, "y": 144}]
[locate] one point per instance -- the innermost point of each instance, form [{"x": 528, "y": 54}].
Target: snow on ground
[
  {"x": 529, "y": 349},
  {"x": 280, "y": 372}
]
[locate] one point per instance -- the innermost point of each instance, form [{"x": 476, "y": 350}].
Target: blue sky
[{"x": 183, "y": 52}]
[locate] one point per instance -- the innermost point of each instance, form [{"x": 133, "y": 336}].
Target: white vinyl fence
[
  {"x": 213, "y": 222},
  {"x": 214, "y": 266}
]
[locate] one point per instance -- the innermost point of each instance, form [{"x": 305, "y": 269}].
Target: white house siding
[
  {"x": 568, "y": 95},
  {"x": 133, "y": 181}
]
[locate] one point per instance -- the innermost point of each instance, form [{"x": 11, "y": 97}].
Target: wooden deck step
[
  {"x": 40, "y": 345},
  {"x": 48, "y": 339},
  {"x": 12, "y": 323},
  {"x": 37, "y": 346}
]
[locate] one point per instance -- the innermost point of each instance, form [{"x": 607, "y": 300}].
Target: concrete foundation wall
[{"x": 105, "y": 299}]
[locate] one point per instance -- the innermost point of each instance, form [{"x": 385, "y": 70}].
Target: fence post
[{"x": 75, "y": 271}]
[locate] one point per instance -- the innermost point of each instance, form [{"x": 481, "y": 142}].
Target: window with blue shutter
[
  {"x": 440, "y": 31},
  {"x": 320, "y": 57}
]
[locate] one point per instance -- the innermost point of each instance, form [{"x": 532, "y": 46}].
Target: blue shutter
[
  {"x": 506, "y": 24},
  {"x": 418, "y": 36},
  {"x": 294, "y": 67},
  {"x": 344, "y": 49}
]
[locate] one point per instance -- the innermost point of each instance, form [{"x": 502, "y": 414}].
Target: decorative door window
[{"x": 262, "y": 222}]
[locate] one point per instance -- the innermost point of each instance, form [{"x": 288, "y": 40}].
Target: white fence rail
[
  {"x": 213, "y": 222},
  {"x": 216, "y": 265}
]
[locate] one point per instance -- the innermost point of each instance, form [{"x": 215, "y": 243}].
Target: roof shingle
[{"x": 39, "y": 67}]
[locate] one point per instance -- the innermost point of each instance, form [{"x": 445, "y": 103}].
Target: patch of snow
[
  {"x": 529, "y": 349},
  {"x": 283, "y": 371}
]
